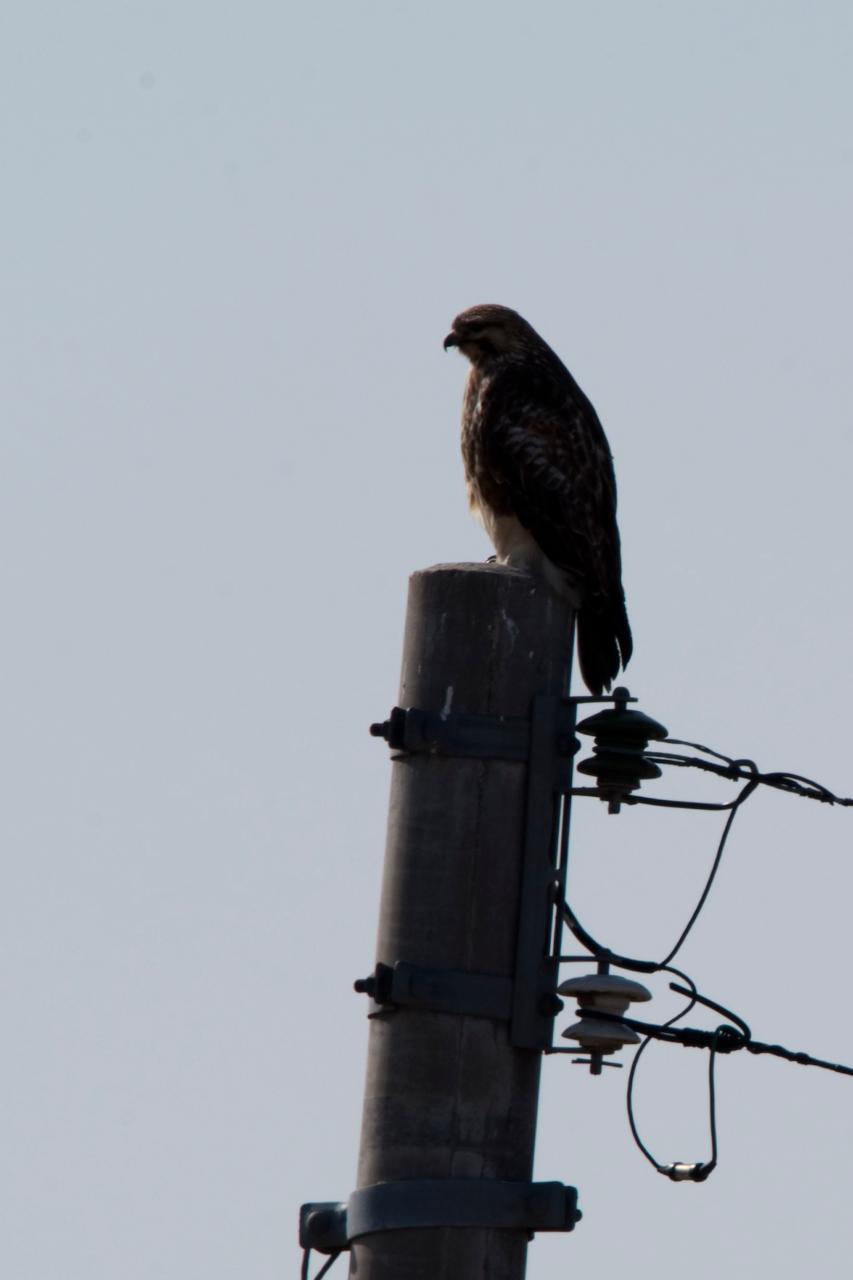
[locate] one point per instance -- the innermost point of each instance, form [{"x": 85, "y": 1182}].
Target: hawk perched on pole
[{"x": 540, "y": 477}]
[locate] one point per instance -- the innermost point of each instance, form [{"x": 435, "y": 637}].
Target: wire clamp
[{"x": 688, "y": 1172}]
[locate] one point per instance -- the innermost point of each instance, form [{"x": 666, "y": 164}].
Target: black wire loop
[{"x": 726, "y": 1038}]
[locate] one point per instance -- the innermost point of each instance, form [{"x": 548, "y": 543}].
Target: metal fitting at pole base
[{"x": 331, "y": 1226}]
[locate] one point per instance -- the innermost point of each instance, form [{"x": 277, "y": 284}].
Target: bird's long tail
[{"x": 604, "y": 643}]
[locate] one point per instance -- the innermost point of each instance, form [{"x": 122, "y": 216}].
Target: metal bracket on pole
[
  {"x": 330, "y": 1226},
  {"x": 453, "y": 733},
  {"x": 546, "y": 742},
  {"x": 450, "y": 733},
  {"x": 478, "y": 995},
  {"x": 543, "y": 875}
]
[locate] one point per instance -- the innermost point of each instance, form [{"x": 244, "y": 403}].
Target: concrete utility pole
[{"x": 447, "y": 1095}]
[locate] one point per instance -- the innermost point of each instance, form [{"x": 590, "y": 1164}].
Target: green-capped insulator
[
  {"x": 618, "y": 725},
  {"x": 618, "y": 762}
]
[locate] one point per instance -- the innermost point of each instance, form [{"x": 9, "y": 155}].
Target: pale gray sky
[{"x": 234, "y": 238}]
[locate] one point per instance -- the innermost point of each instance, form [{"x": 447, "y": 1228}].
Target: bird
[{"x": 539, "y": 476}]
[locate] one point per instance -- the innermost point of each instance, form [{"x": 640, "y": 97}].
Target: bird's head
[{"x": 489, "y": 332}]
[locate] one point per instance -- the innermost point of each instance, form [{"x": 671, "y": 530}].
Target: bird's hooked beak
[{"x": 452, "y": 340}]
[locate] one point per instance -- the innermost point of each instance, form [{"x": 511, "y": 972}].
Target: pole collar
[{"x": 438, "y": 1202}]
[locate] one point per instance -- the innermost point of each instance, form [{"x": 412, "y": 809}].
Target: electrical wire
[
  {"x": 729, "y": 767},
  {"x": 803, "y": 1059},
  {"x": 700, "y": 1173},
  {"x": 725, "y": 1038},
  {"x": 715, "y": 866},
  {"x": 326, "y": 1267},
  {"x": 649, "y": 966},
  {"x": 732, "y": 768},
  {"x": 629, "y": 1091}
]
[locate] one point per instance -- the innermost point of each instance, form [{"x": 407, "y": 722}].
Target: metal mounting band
[
  {"x": 546, "y": 741},
  {"x": 462, "y": 1202},
  {"x": 478, "y": 995},
  {"x": 439, "y": 1202},
  {"x": 455, "y": 733}
]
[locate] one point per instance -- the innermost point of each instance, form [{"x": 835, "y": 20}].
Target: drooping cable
[
  {"x": 629, "y": 1091},
  {"x": 725, "y": 1038},
  {"x": 653, "y": 966},
  {"x": 326, "y": 1267},
  {"x": 715, "y": 866}
]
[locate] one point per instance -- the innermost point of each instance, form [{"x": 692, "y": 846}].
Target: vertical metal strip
[
  {"x": 564, "y": 791},
  {"x": 533, "y": 1006}
]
